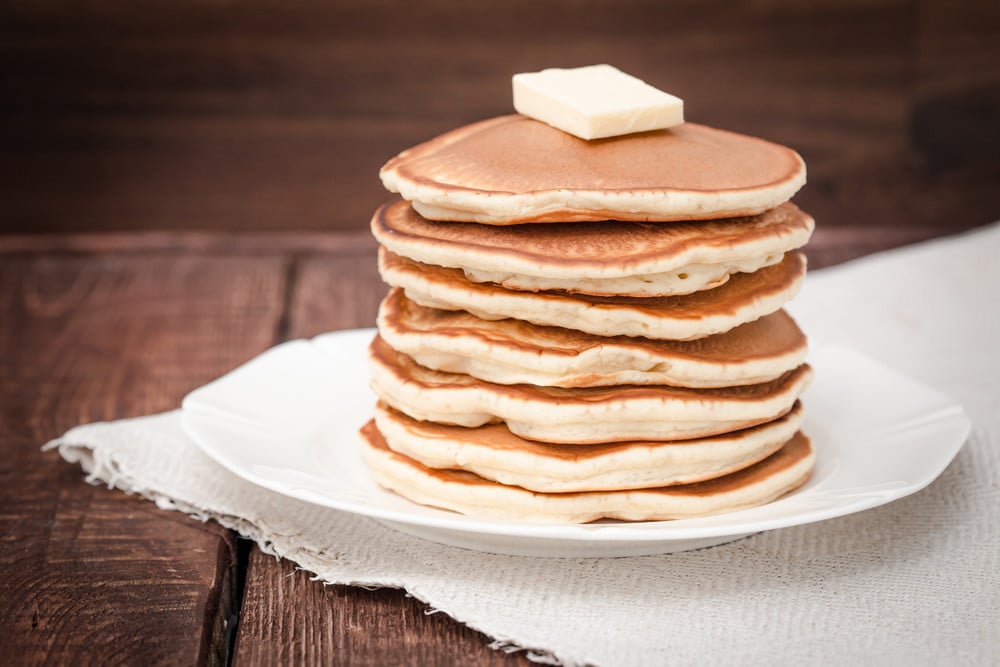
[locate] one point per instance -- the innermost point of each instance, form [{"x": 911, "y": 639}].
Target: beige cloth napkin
[{"x": 913, "y": 582}]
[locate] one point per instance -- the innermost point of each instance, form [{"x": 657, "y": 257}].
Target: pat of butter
[{"x": 595, "y": 102}]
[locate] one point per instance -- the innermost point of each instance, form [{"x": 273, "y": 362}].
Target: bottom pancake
[
  {"x": 467, "y": 493},
  {"x": 494, "y": 453}
]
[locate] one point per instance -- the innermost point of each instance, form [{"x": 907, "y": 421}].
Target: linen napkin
[{"x": 916, "y": 581}]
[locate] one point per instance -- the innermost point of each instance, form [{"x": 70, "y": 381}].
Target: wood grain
[
  {"x": 87, "y": 573},
  {"x": 289, "y": 619},
  {"x": 202, "y": 115},
  {"x": 331, "y": 293}
]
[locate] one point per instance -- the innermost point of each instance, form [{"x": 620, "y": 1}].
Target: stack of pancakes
[{"x": 580, "y": 330}]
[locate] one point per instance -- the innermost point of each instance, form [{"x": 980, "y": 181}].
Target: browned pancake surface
[
  {"x": 514, "y": 154},
  {"x": 587, "y": 244},
  {"x": 770, "y": 336},
  {"x": 796, "y": 450},
  {"x": 740, "y": 290},
  {"x": 498, "y": 437},
  {"x": 414, "y": 374}
]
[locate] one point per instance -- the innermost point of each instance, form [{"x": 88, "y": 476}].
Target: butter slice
[{"x": 595, "y": 102}]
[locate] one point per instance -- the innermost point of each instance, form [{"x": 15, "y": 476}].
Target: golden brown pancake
[
  {"x": 510, "y": 351},
  {"x": 580, "y": 415},
  {"x": 603, "y": 258},
  {"x": 494, "y": 453},
  {"x": 744, "y": 298},
  {"x": 467, "y": 493},
  {"x": 513, "y": 169}
]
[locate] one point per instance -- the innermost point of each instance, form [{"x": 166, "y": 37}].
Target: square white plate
[{"x": 288, "y": 420}]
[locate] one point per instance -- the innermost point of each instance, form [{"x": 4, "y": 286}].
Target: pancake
[
  {"x": 744, "y": 298},
  {"x": 494, "y": 453},
  {"x": 464, "y": 492},
  {"x": 582, "y": 415},
  {"x": 513, "y": 169},
  {"x": 603, "y": 258},
  {"x": 512, "y": 351}
]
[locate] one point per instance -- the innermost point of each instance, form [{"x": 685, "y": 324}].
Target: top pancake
[
  {"x": 603, "y": 258},
  {"x": 512, "y": 169}
]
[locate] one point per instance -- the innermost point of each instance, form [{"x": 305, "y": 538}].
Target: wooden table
[
  {"x": 106, "y": 326},
  {"x": 123, "y": 117}
]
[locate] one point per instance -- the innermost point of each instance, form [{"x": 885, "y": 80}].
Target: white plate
[{"x": 288, "y": 420}]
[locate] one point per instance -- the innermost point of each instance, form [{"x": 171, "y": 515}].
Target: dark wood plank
[
  {"x": 958, "y": 86},
  {"x": 87, "y": 573},
  {"x": 335, "y": 293},
  {"x": 289, "y": 619},
  {"x": 190, "y": 115},
  {"x": 188, "y": 242}
]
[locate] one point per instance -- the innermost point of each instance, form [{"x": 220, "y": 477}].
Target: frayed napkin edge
[{"x": 100, "y": 468}]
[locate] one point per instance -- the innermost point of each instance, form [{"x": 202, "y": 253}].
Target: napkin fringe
[
  {"x": 101, "y": 468},
  {"x": 541, "y": 657}
]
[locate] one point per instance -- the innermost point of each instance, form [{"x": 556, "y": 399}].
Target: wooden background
[
  {"x": 273, "y": 115},
  {"x": 184, "y": 184}
]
